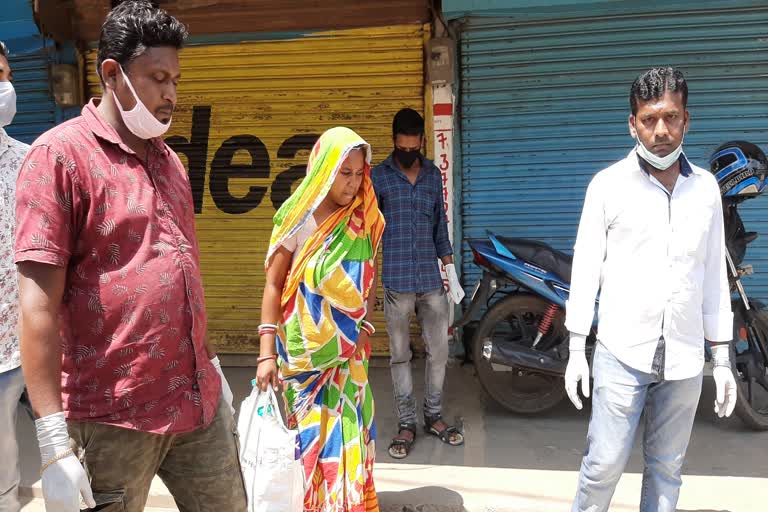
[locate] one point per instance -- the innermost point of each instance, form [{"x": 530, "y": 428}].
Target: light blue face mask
[{"x": 659, "y": 162}]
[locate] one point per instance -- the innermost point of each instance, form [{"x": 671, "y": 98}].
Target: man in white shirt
[
  {"x": 12, "y": 153},
  {"x": 651, "y": 241}
]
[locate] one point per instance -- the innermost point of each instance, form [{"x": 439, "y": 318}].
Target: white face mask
[
  {"x": 7, "y": 103},
  {"x": 660, "y": 162},
  {"x": 139, "y": 120}
]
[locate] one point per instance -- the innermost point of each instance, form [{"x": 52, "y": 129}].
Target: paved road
[{"x": 525, "y": 463}]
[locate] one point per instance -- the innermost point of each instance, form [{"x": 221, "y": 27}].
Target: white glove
[
  {"x": 577, "y": 370},
  {"x": 226, "y": 393},
  {"x": 725, "y": 383},
  {"x": 455, "y": 291},
  {"x": 64, "y": 480}
]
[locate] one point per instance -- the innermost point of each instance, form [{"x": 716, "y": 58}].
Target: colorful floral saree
[{"x": 327, "y": 394}]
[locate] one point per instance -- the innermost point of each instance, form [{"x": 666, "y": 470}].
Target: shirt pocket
[
  {"x": 693, "y": 233},
  {"x": 636, "y": 219},
  {"x": 424, "y": 205}
]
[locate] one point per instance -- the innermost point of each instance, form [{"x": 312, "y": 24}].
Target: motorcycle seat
[{"x": 541, "y": 255}]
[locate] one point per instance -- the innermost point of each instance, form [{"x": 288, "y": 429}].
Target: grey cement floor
[{"x": 517, "y": 463}]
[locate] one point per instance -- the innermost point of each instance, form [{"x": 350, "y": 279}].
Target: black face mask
[{"x": 407, "y": 157}]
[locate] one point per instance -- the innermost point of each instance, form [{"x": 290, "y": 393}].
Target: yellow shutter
[{"x": 257, "y": 106}]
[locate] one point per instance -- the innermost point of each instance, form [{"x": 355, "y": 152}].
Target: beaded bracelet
[{"x": 66, "y": 453}]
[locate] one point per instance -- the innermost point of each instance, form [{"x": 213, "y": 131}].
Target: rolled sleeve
[
  {"x": 47, "y": 201},
  {"x": 719, "y": 327}
]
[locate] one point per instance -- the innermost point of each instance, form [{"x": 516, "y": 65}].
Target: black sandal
[
  {"x": 450, "y": 435},
  {"x": 399, "y": 442}
]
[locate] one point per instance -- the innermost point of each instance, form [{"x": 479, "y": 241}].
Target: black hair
[
  {"x": 654, "y": 83},
  {"x": 134, "y": 26},
  {"x": 115, "y": 3},
  {"x": 407, "y": 122},
  {"x": 4, "y": 50}
]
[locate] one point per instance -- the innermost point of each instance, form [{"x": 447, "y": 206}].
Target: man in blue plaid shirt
[{"x": 409, "y": 189}]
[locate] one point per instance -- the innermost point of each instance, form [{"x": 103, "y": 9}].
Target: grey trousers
[{"x": 432, "y": 311}]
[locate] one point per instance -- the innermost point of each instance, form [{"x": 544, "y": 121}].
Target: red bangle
[
  {"x": 260, "y": 360},
  {"x": 368, "y": 327}
]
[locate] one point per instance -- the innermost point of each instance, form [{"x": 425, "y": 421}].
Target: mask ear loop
[{"x": 130, "y": 88}]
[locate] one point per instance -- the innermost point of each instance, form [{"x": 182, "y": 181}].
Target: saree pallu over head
[
  {"x": 323, "y": 304},
  {"x": 325, "y": 293}
]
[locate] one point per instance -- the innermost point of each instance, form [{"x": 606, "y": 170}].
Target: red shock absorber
[{"x": 546, "y": 322}]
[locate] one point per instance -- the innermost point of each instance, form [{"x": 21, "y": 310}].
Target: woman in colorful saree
[{"x": 321, "y": 279}]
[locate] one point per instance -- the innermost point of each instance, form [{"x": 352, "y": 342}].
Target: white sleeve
[
  {"x": 716, "y": 308},
  {"x": 588, "y": 258},
  {"x": 291, "y": 242}
]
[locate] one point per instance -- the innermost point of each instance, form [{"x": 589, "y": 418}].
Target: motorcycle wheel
[
  {"x": 746, "y": 360},
  {"x": 515, "y": 319}
]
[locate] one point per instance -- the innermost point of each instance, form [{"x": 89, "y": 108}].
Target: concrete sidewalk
[{"x": 513, "y": 463}]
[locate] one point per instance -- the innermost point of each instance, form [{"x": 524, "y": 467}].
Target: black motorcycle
[{"x": 749, "y": 350}]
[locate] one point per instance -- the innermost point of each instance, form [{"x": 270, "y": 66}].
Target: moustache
[{"x": 167, "y": 110}]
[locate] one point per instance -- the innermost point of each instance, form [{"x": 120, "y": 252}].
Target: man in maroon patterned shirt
[{"x": 113, "y": 335}]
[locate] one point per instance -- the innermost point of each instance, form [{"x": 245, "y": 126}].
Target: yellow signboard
[{"x": 247, "y": 115}]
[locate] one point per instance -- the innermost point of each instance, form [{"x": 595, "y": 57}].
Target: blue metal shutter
[
  {"x": 544, "y": 106},
  {"x": 35, "y": 106}
]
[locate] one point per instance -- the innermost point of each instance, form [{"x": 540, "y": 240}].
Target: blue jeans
[
  {"x": 11, "y": 388},
  {"x": 431, "y": 310},
  {"x": 621, "y": 395}
]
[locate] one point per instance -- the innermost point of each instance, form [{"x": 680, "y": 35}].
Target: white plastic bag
[{"x": 269, "y": 456}]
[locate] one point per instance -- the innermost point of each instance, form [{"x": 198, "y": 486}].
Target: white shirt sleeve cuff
[
  {"x": 718, "y": 327},
  {"x": 579, "y": 321}
]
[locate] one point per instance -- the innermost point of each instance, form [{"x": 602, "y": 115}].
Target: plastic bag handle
[{"x": 271, "y": 400}]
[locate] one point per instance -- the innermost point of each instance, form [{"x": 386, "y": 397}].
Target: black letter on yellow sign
[
  {"x": 222, "y": 170},
  {"x": 281, "y": 187},
  {"x": 196, "y": 150}
]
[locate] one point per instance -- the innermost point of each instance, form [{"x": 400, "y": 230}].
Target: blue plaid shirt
[{"x": 417, "y": 227}]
